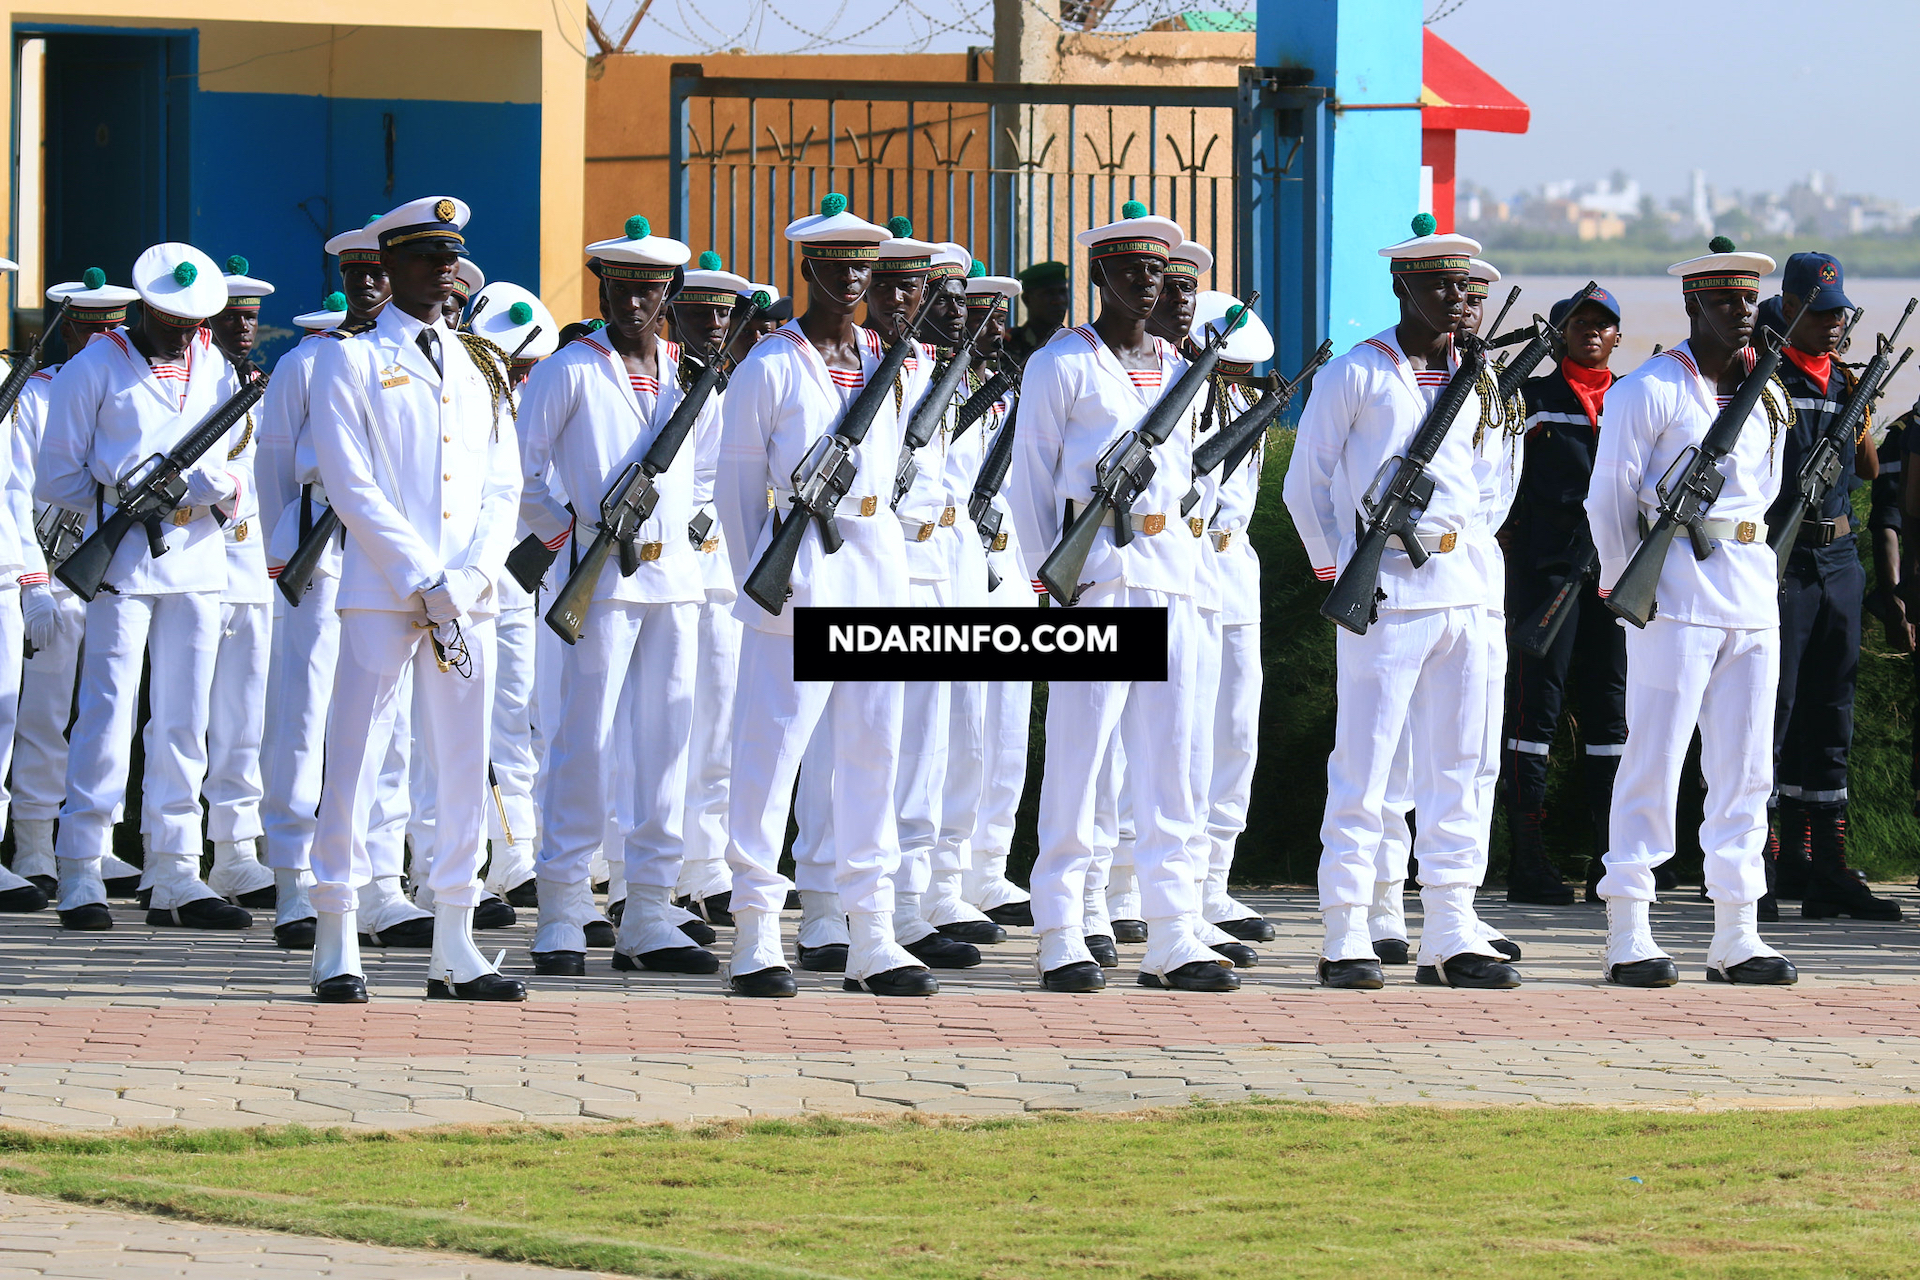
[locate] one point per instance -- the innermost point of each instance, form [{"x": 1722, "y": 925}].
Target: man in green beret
[{"x": 1046, "y": 293}]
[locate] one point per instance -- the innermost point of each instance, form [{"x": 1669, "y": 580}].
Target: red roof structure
[{"x": 1455, "y": 94}]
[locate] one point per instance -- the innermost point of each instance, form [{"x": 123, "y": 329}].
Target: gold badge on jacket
[{"x": 391, "y": 377}]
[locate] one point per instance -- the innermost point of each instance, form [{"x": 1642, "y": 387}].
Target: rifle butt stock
[
  {"x": 568, "y": 616},
  {"x": 86, "y": 569},
  {"x": 1538, "y": 632},
  {"x": 296, "y": 575},
  {"x": 771, "y": 581},
  {"x": 1351, "y": 602},
  {"x": 1632, "y": 596},
  {"x": 1060, "y": 572}
]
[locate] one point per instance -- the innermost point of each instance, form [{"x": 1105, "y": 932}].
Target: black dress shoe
[
  {"x": 488, "y": 986},
  {"x": 764, "y": 984},
  {"x": 1251, "y": 929},
  {"x": 981, "y": 933},
  {"x": 91, "y": 918},
  {"x": 617, "y": 911},
  {"x": 417, "y": 933},
  {"x": 1077, "y": 978},
  {"x": 1195, "y": 975},
  {"x": 1104, "y": 953},
  {"x": 1507, "y": 948},
  {"x": 699, "y": 932},
  {"x": 1129, "y": 930},
  {"x": 937, "y": 951},
  {"x": 1657, "y": 972},
  {"x": 1389, "y": 950},
  {"x": 715, "y": 910},
  {"x": 1242, "y": 955},
  {"x": 1014, "y": 915},
  {"x": 560, "y": 964},
  {"x": 1761, "y": 971},
  {"x": 524, "y": 894},
  {"x": 124, "y": 887},
  {"x": 341, "y": 988},
  {"x": 295, "y": 935},
  {"x": 48, "y": 885},
  {"x": 831, "y": 958},
  {"x": 493, "y": 913},
  {"x": 1354, "y": 975},
  {"x": 793, "y": 901},
  {"x": 260, "y": 899},
  {"x": 202, "y": 913},
  {"x": 1472, "y": 970},
  {"x": 28, "y": 897},
  {"x": 599, "y": 936},
  {"x": 669, "y": 960},
  {"x": 908, "y": 980}
]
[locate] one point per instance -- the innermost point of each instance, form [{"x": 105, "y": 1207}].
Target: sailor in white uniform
[{"x": 16, "y": 892}]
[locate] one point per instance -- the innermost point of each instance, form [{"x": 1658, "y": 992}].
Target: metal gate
[{"x": 1013, "y": 171}]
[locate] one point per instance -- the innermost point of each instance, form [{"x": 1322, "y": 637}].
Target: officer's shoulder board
[{"x": 350, "y": 329}]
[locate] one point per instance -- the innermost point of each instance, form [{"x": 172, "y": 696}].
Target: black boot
[
  {"x": 1832, "y": 888},
  {"x": 1531, "y": 878},
  {"x": 1793, "y": 868},
  {"x": 1769, "y": 908},
  {"x": 1599, "y": 772}
]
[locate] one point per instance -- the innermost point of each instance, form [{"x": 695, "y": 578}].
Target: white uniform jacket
[
  {"x": 285, "y": 464},
  {"x": 1228, "y": 544},
  {"x": 1365, "y": 408},
  {"x": 13, "y": 534},
  {"x": 781, "y": 399},
  {"x": 1076, "y": 400},
  {"x": 925, "y": 502},
  {"x": 108, "y": 413},
  {"x": 422, "y": 469},
  {"x": 247, "y": 580},
  {"x": 29, "y": 425},
  {"x": 582, "y": 422},
  {"x": 1653, "y": 415}
]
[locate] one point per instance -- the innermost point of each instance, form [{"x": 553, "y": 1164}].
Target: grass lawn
[{"x": 1210, "y": 1191}]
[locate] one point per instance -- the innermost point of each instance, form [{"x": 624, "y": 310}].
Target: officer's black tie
[{"x": 430, "y": 344}]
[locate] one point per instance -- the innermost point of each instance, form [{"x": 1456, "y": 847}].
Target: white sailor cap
[
  {"x": 179, "y": 284},
  {"x": 1249, "y": 344},
  {"x": 637, "y": 255},
  {"x": 243, "y": 291},
  {"x": 431, "y": 224},
  {"x": 1137, "y": 231},
  {"x": 91, "y": 300},
  {"x": 468, "y": 278},
  {"x": 1429, "y": 251},
  {"x": 835, "y": 233},
  {"x": 984, "y": 290},
  {"x": 356, "y": 246},
  {"x": 951, "y": 261},
  {"x": 1191, "y": 259},
  {"x": 8, "y": 264},
  {"x": 512, "y": 319},
  {"x": 1722, "y": 267},
  {"x": 331, "y": 315},
  {"x": 901, "y": 254},
  {"x": 709, "y": 284},
  {"x": 1480, "y": 274}
]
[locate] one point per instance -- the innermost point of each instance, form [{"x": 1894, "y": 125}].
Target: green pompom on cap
[
  {"x": 520, "y": 313},
  {"x": 335, "y": 301},
  {"x": 833, "y": 202},
  {"x": 977, "y": 270},
  {"x": 596, "y": 324},
  {"x": 372, "y": 218},
  {"x": 237, "y": 265},
  {"x": 901, "y": 227},
  {"x": 1720, "y": 244},
  {"x": 185, "y": 274},
  {"x": 761, "y": 300},
  {"x": 638, "y": 228},
  {"x": 711, "y": 261},
  {"x": 94, "y": 278},
  {"x": 1424, "y": 225},
  {"x": 1239, "y": 317},
  {"x": 1133, "y": 209}
]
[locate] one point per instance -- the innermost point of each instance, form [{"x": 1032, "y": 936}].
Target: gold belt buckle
[
  {"x": 240, "y": 532},
  {"x": 1153, "y": 524},
  {"x": 1196, "y": 524},
  {"x": 710, "y": 546},
  {"x": 999, "y": 542},
  {"x": 1744, "y": 531},
  {"x": 1222, "y": 539},
  {"x": 1448, "y": 539},
  {"x": 869, "y": 504},
  {"x": 924, "y": 532},
  {"x": 946, "y": 518},
  {"x": 182, "y": 517},
  {"x": 650, "y": 551},
  {"x": 769, "y": 499}
]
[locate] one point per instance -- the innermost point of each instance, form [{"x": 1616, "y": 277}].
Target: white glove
[
  {"x": 41, "y": 613},
  {"x": 206, "y": 486},
  {"x": 439, "y": 603},
  {"x": 468, "y": 587}
]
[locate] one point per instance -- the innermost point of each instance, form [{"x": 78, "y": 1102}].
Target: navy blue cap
[
  {"x": 1561, "y": 309},
  {"x": 1807, "y": 272}
]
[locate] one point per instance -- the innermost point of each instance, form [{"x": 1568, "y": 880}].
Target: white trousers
[
  {"x": 1421, "y": 673},
  {"x": 650, "y": 646},
  {"x": 237, "y": 720},
  {"x": 965, "y": 784},
  {"x": 1722, "y": 680},
  {"x": 12, "y": 653},
  {"x": 1236, "y": 748},
  {"x": 1206, "y": 703},
  {"x": 710, "y": 751},
  {"x": 515, "y": 746},
  {"x": 920, "y": 784},
  {"x": 182, "y": 629},
  {"x": 306, "y": 648},
  {"x": 774, "y": 718},
  {"x": 1493, "y": 635},
  {"x": 46, "y": 709},
  {"x": 813, "y": 855},
  {"x": 1155, "y": 722},
  {"x": 377, "y": 649},
  {"x": 1009, "y": 716}
]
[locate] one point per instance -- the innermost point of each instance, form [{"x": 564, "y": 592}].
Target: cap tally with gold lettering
[
  {"x": 1137, "y": 231},
  {"x": 1430, "y": 251},
  {"x": 360, "y": 245},
  {"x": 985, "y": 291},
  {"x": 1190, "y": 259},
  {"x": 1250, "y": 343},
  {"x": 1721, "y": 267},
  {"x": 951, "y": 261},
  {"x": 638, "y": 255},
  {"x": 179, "y": 284},
  {"x": 431, "y": 224},
  {"x": 468, "y": 279},
  {"x": 835, "y": 234},
  {"x": 1480, "y": 274},
  {"x": 709, "y": 284},
  {"x": 90, "y": 300},
  {"x": 901, "y": 254},
  {"x": 243, "y": 291}
]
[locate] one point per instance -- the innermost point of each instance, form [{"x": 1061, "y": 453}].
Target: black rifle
[
  {"x": 1834, "y": 449},
  {"x": 59, "y": 531},
  {"x": 1512, "y": 298},
  {"x": 1229, "y": 446},
  {"x": 825, "y": 475},
  {"x": 1004, "y": 380},
  {"x": 926, "y": 416},
  {"x": 147, "y": 503},
  {"x": 529, "y": 561},
  {"x": 1688, "y": 490},
  {"x": 28, "y": 364},
  {"x": 1127, "y": 468},
  {"x": 1546, "y": 340},
  {"x": 296, "y": 575},
  {"x": 987, "y": 486},
  {"x": 1396, "y": 500},
  {"x": 1537, "y": 634}
]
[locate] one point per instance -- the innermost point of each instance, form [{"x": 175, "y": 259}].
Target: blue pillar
[{"x": 1366, "y": 52}]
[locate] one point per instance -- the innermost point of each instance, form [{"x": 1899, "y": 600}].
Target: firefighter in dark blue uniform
[
  {"x": 1547, "y": 539},
  {"x": 1821, "y": 601}
]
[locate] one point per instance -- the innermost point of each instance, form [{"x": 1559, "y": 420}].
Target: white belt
[
  {"x": 781, "y": 500},
  {"x": 1150, "y": 524},
  {"x": 1735, "y": 530},
  {"x": 1434, "y": 544},
  {"x": 317, "y": 492},
  {"x": 922, "y": 530},
  {"x": 183, "y": 516}
]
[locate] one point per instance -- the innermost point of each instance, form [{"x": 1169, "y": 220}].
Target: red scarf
[
  {"x": 1817, "y": 368},
  {"x": 1590, "y": 385}
]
